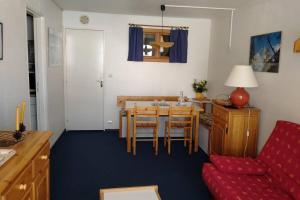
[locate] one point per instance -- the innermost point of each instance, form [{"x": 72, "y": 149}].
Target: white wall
[
  {"x": 55, "y": 83},
  {"x": 143, "y": 78},
  {"x": 278, "y": 94},
  {"x": 13, "y": 68},
  {"x": 14, "y": 85}
]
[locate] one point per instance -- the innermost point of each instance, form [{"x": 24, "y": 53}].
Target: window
[{"x": 155, "y": 53}]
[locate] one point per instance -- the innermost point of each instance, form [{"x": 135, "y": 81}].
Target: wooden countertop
[
  {"x": 25, "y": 152},
  {"x": 231, "y": 109}
]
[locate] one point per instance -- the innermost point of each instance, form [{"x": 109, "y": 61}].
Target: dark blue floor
[{"x": 83, "y": 162}]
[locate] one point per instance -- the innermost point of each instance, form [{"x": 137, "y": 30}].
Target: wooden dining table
[{"x": 163, "y": 112}]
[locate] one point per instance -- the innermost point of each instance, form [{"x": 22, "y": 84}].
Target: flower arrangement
[{"x": 200, "y": 86}]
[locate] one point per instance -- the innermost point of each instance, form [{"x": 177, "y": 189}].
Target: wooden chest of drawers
[
  {"x": 26, "y": 175},
  {"x": 229, "y": 131}
]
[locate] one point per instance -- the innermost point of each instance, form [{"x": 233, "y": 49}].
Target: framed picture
[
  {"x": 55, "y": 49},
  {"x": 1, "y": 41},
  {"x": 265, "y": 52}
]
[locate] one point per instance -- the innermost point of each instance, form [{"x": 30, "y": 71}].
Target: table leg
[
  {"x": 196, "y": 136},
  {"x": 120, "y": 123},
  {"x": 128, "y": 134}
]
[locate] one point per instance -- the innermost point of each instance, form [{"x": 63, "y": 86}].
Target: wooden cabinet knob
[
  {"x": 23, "y": 187},
  {"x": 44, "y": 157}
]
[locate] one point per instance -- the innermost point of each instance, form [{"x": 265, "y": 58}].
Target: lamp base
[{"x": 239, "y": 97}]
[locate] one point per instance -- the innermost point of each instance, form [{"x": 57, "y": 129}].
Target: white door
[{"x": 84, "y": 51}]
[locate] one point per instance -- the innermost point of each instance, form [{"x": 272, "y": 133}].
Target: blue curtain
[
  {"x": 135, "y": 51},
  {"x": 178, "y": 53}
]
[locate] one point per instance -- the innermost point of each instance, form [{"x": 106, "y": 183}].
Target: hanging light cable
[{"x": 161, "y": 42}]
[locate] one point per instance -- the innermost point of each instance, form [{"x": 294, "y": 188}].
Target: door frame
[
  {"x": 66, "y": 71},
  {"x": 40, "y": 46}
]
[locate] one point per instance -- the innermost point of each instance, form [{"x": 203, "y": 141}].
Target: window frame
[{"x": 157, "y": 32}]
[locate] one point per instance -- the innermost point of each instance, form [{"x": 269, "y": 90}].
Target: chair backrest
[
  {"x": 146, "y": 113},
  {"x": 282, "y": 153},
  {"x": 181, "y": 113}
]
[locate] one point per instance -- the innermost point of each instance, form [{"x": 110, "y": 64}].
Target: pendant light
[{"x": 161, "y": 42}]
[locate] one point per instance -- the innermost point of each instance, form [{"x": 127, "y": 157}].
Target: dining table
[{"x": 163, "y": 112}]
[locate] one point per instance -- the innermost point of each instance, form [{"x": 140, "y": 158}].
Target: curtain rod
[
  {"x": 199, "y": 7},
  {"x": 158, "y": 26}
]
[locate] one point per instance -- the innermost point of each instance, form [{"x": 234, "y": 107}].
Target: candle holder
[
  {"x": 18, "y": 135},
  {"x": 22, "y": 127}
]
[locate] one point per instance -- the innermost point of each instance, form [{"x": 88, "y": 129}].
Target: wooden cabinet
[
  {"x": 217, "y": 138},
  {"x": 229, "y": 135},
  {"x": 41, "y": 169},
  {"x": 26, "y": 175},
  {"x": 42, "y": 185}
]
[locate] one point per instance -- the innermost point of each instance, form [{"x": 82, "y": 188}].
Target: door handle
[
  {"x": 226, "y": 129},
  {"x": 100, "y": 82}
]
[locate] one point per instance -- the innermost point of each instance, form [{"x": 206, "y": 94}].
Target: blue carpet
[{"x": 83, "y": 162}]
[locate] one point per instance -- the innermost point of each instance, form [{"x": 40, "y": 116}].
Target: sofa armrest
[{"x": 238, "y": 165}]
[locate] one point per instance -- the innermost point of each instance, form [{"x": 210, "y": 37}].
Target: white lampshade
[{"x": 241, "y": 76}]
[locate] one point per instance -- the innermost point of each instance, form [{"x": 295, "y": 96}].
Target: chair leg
[
  {"x": 185, "y": 136},
  {"x": 165, "y": 136},
  {"x": 154, "y": 136},
  {"x": 134, "y": 141},
  {"x": 120, "y": 124},
  {"x": 169, "y": 147},
  {"x": 190, "y": 140},
  {"x": 156, "y": 141},
  {"x": 169, "y": 142}
]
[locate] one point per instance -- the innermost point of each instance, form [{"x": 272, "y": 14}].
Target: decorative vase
[
  {"x": 199, "y": 95},
  {"x": 239, "y": 97}
]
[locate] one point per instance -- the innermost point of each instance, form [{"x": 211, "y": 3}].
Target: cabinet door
[
  {"x": 21, "y": 186},
  {"x": 42, "y": 185},
  {"x": 217, "y": 137},
  {"x": 29, "y": 196}
]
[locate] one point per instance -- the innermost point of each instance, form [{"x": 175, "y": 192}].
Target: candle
[
  {"x": 23, "y": 111},
  {"x": 18, "y": 118}
]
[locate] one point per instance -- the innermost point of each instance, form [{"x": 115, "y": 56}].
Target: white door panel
[{"x": 84, "y": 49}]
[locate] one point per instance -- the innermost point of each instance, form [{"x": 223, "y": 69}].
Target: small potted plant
[{"x": 199, "y": 88}]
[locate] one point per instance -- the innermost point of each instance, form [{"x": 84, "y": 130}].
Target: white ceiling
[{"x": 148, "y": 7}]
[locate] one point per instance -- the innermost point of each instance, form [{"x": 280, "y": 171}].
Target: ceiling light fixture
[{"x": 162, "y": 43}]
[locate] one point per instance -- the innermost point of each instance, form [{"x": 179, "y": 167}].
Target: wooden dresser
[
  {"x": 26, "y": 175},
  {"x": 228, "y": 134}
]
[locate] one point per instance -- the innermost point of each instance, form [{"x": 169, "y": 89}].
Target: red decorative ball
[{"x": 239, "y": 97}]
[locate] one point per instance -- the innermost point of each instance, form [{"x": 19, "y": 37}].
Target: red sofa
[{"x": 273, "y": 175}]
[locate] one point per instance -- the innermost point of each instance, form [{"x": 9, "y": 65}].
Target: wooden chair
[
  {"x": 121, "y": 100},
  {"x": 146, "y": 117},
  {"x": 180, "y": 117}
]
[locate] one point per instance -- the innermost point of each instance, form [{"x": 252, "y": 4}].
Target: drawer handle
[
  {"x": 44, "y": 157},
  {"x": 23, "y": 187}
]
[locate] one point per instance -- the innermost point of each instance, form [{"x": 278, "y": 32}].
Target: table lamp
[{"x": 241, "y": 77}]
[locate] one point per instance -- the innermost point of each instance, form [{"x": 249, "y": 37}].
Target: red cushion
[
  {"x": 282, "y": 181},
  {"x": 225, "y": 186},
  {"x": 282, "y": 150},
  {"x": 237, "y": 165},
  {"x": 282, "y": 154}
]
